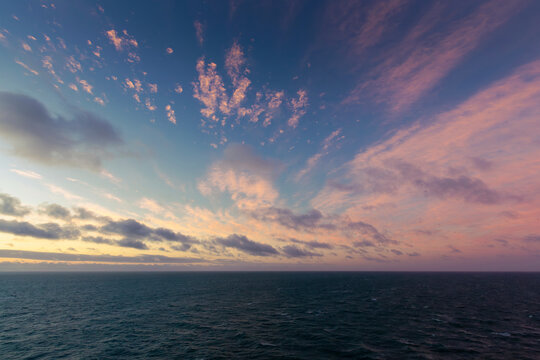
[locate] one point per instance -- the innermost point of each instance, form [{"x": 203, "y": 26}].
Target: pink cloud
[
  {"x": 455, "y": 176},
  {"x": 120, "y": 41},
  {"x": 26, "y": 67},
  {"x": 298, "y": 107},
  {"x": 170, "y": 114},
  {"x": 210, "y": 90},
  {"x": 85, "y": 85},
  {"x": 242, "y": 174},
  {"x": 312, "y": 162},
  {"x": 199, "y": 31}
]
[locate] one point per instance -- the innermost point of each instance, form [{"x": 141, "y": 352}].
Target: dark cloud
[
  {"x": 35, "y": 134},
  {"x": 55, "y": 211},
  {"x": 176, "y": 237},
  {"x": 296, "y": 252},
  {"x": 370, "y": 230},
  {"x": 85, "y": 214},
  {"x": 49, "y": 256},
  {"x": 242, "y": 243},
  {"x": 454, "y": 250},
  {"x": 363, "y": 243},
  {"x": 397, "y": 173},
  {"x": 314, "y": 219},
  {"x": 467, "y": 188},
  {"x": 414, "y": 254},
  {"x": 397, "y": 252},
  {"x": 49, "y": 231},
  {"x": 10, "y": 205},
  {"x": 131, "y": 243},
  {"x": 97, "y": 240},
  {"x": 132, "y": 229},
  {"x": 133, "y": 233},
  {"x": 309, "y": 221},
  {"x": 128, "y": 228}
]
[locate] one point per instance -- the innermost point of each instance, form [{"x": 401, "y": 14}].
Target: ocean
[{"x": 269, "y": 315}]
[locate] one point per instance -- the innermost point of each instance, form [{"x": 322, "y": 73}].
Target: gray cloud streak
[
  {"x": 50, "y": 256},
  {"x": 243, "y": 244},
  {"x": 49, "y": 231}
]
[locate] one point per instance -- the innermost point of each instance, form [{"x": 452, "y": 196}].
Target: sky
[{"x": 270, "y": 135}]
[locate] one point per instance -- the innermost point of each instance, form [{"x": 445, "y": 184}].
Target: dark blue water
[{"x": 269, "y": 315}]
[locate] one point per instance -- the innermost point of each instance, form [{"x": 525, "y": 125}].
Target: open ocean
[{"x": 269, "y": 316}]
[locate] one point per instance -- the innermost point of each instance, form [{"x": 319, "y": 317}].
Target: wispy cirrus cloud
[
  {"x": 327, "y": 143},
  {"x": 137, "y": 259},
  {"x": 426, "y": 55},
  {"x": 199, "y": 31},
  {"x": 27, "y": 173}
]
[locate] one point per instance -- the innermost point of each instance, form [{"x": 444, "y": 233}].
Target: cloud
[
  {"x": 85, "y": 214},
  {"x": 428, "y": 176},
  {"x": 327, "y": 143},
  {"x": 33, "y": 133},
  {"x": 314, "y": 220},
  {"x": 426, "y": 56},
  {"x": 363, "y": 243},
  {"x": 61, "y": 191},
  {"x": 244, "y": 175},
  {"x": 298, "y": 107},
  {"x": 396, "y": 173},
  {"x": 235, "y": 64},
  {"x": 139, "y": 259},
  {"x": 293, "y": 251},
  {"x": 170, "y": 114},
  {"x": 86, "y": 86},
  {"x": 134, "y": 230},
  {"x": 27, "y": 173},
  {"x": 243, "y": 244},
  {"x": 362, "y": 27},
  {"x": 287, "y": 218},
  {"x": 97, "y": 240},
  {"x": 50, "y": 231},
  {"x": 128, "y": 228},
  {"x": 428, "y": 157},
  {"x": 312, "y": 244},
  {"x": 132, "y": 243},
  {"x": 10, "y": 205},
  {"x": 120, "y": 41},
  {"x": 199, "y": 31},
  {"x": 533, "y": 238},
  {"x": 55, "y": 211},
  {"x": 26, "y": 67},
  {"x": 210, "y": 90}
]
